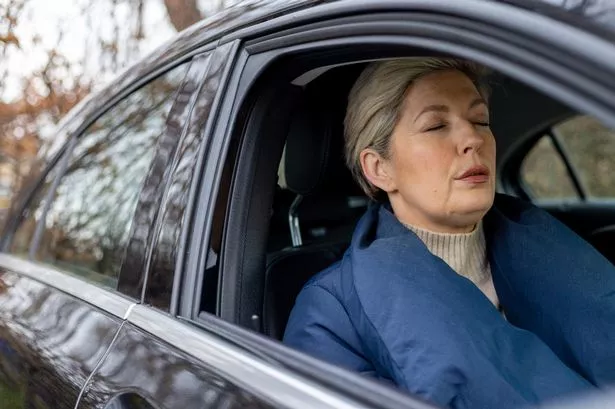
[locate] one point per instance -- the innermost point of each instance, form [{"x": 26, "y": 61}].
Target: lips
[{"x": 475, "y": 174}]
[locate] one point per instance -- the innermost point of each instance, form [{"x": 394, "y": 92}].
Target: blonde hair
[{"x": 376, "y": 100}]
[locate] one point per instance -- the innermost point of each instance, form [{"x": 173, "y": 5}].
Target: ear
[{"x": 377, "y": 170}]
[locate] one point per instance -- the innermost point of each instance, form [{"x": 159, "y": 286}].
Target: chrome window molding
[{"x": 101, "y": 297}]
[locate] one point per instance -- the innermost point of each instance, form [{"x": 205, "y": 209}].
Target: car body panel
[
  {"x": 597, "y": 16},
  {"x": 155, "y": 371},
  {"x": 50, "y": 340}
]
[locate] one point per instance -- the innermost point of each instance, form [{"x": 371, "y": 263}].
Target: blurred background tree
[{"x": 55, "y": 53}]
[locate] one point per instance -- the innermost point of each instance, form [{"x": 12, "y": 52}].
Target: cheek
[
  {"x": 411, "y": 161},
  {"x": 427, "y": 164}
]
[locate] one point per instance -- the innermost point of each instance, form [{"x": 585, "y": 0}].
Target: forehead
[{"x": 448, "y": 86}]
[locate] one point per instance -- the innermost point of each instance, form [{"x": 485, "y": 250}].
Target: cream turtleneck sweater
[{"x": 465, "y": 253}]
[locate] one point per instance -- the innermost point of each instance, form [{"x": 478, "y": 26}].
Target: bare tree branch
[
  {"x": 32, "y": 101},
  {"x": 182, "y": 13}
]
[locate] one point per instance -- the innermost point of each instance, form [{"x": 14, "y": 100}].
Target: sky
[{"x": 46, "y": 19}]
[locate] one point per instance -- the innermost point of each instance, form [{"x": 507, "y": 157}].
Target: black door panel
[
  {"x": 50, "y": 342},
  {"x": 141, "y": 362}
]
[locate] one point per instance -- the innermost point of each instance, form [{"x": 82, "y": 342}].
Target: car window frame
[
  {"x": 202, "y": 133},
  {"x": 571, "y": 170}
]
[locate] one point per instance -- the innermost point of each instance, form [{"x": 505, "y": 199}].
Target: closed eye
[
  {"x": 435, "y": 128},
  {"x": 482, "y": 123}
]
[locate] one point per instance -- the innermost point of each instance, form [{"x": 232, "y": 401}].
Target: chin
[{"x": 476, "y": 202}]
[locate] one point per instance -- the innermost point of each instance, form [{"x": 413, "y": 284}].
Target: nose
[{"x": 470, "y": 139}]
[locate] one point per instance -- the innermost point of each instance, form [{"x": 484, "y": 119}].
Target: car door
[{"x": 66, "y": 282}]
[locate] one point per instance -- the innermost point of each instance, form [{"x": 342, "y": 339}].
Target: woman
[{"x": 420, "y": 295}]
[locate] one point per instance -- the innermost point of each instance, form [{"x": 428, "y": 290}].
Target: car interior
[{"x": 305, "y": 205}]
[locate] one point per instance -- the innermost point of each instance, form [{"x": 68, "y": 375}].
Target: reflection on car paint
[
  {"x": 139, "y": 361},
  {"x": 50, "y": 344},
  {"x": 129, "y": 400},
  {"x": 599, "y": 11}
]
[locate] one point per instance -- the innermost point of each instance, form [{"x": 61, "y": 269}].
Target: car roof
[{"x": 596, "y": 16}]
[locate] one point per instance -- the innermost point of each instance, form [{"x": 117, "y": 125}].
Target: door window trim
[
  {"x": 232, "y": 350},
  {"x": 538, "y": 72},
  {"x": 198, "y": 212},
  {"x": 102, "y": 298}
]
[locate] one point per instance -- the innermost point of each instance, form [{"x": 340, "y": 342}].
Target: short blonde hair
[{"x": 376, "y": 100}]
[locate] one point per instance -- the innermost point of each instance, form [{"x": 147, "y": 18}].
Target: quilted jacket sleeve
[{"x": 319, "y": 326}]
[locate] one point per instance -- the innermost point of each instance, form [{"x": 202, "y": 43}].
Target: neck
[
  {"x": 435, "y": 227},
  {"x": 455, "y": 224},
  {"x": 444, "y": 232}
]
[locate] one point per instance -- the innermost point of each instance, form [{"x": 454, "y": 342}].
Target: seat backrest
[
  {"x": 287, "y": 272},
  {"x": 314, "y": 167}
]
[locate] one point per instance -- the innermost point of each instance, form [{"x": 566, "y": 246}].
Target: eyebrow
[
  {"x": 478, "y": 101},
  {"x": 444, "y": 108}
]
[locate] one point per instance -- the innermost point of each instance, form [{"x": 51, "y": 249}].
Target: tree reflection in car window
[
  {"x": 89, "y": 219},
  {"x": 20, "y": 243}
]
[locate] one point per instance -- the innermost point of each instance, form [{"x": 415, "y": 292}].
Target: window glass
[
  {"x": 89, "y": 219},
  {"x": 544, "y": 172},
  {"x": 591, "y": 149},
  {"x": 20, "y": 244}
]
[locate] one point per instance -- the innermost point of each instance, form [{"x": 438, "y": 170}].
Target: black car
[{"x": 153, "y": 260}]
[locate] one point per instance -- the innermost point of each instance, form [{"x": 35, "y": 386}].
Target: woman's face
[{"x": 440, "y": 173}]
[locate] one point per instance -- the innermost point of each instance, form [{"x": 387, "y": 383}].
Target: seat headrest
[{"x": 314, "y": 158}]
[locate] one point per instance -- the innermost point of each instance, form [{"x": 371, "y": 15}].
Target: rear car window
[{"x": 85, "y": 226}]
